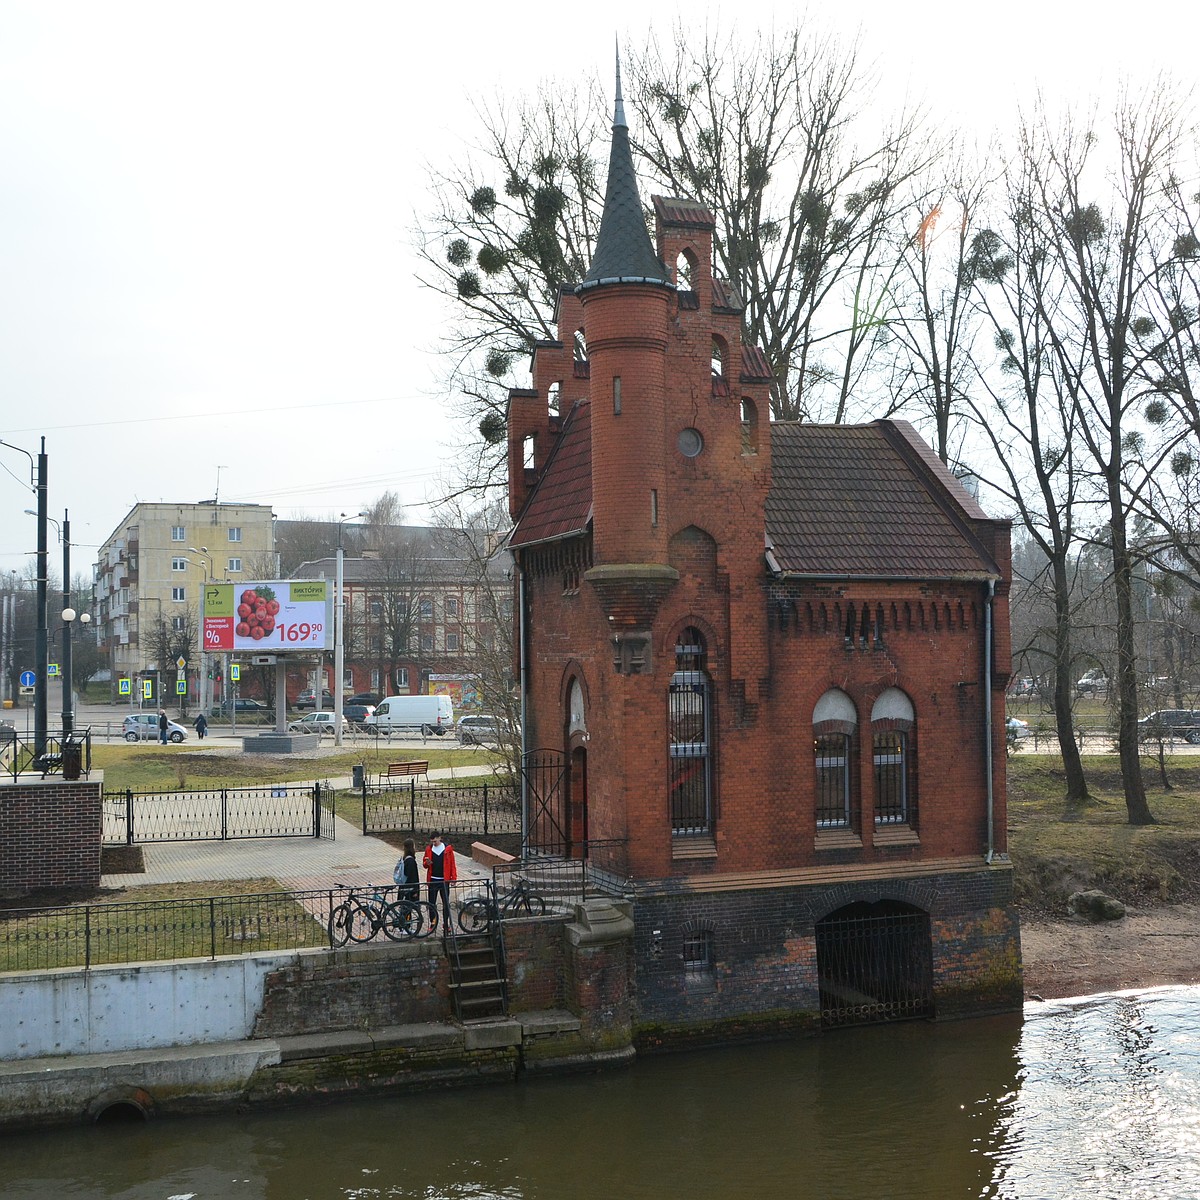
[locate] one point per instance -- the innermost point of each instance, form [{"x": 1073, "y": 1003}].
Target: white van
[{"x": 429, "y": 714}]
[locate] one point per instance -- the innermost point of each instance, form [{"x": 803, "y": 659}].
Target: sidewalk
[{"x": 298, "y": 863}]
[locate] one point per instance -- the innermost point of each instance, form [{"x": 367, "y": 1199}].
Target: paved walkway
[{"x": 298, "y": 863}]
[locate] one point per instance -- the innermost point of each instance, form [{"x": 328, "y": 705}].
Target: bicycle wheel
[
  {"x": 533, "y": 904},
  {"x": 339, "y": 925},
  {"x": 429, "y": 918},
  {"x": 474, "y": 916},
  {"x": 364, "y": 924},
  {"x": 402, "y": 920}
]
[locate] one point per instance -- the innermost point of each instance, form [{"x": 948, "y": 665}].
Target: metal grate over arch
[{"x": 875, "y": 964}]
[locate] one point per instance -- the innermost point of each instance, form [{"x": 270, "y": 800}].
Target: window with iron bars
[
  {"x": 688, "y": 720},
  {"x": 833, "y": 780},
  {"x": 891, "y": 778},
  {"x": 699, "y": 960}
]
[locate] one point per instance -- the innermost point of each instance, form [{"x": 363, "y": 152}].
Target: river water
[{"x": 1097, "y": 1097}]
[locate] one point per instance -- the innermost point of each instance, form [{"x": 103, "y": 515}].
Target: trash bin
[
  {"x": 358, "y": 775},
  {"x": 72, "y": 759}
]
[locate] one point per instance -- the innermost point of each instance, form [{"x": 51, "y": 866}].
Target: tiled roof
[
  {"x": 561, "y": 503},
  {"x": 869, "y": 501},
  {"x": 755, "y": 368},
  {"x": 677, "y": 210}
]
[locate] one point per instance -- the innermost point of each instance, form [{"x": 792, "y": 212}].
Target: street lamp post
[
  {"x": 339, "y": 622},
  {"x": 68, "y": 709},
  {"x": 202, "y": 692}
]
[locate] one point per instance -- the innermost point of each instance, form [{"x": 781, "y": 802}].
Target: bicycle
[
  {"x": 359, "y": 917},
  {"x": 520, "y": 900}
]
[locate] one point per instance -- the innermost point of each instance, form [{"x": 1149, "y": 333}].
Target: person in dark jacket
[
  {"x": 201, "y": 726},
  {"x": 406, "y": 874},
  {"x": 162, "y": 725}
]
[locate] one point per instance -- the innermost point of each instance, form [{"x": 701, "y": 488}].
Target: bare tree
[
  {"x": 1023, "y": 408},
  {"x": 771, "y": 135},
  {"x": 933, "y": 335},
  {"x": 1103, "y": 256}
]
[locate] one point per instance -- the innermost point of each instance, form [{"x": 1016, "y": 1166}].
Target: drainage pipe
[
  {"x": 523, "y": 630},
  {"x": 990, "y": 739}
]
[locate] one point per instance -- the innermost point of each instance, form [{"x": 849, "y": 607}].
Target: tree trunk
[
  {"x": 1127, "y": 700},
  {"x": 1077, "y": 788}
]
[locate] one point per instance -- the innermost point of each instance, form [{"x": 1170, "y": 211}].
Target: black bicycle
[
  {"x": 363, "y": 914},
  {"x": 519, "y": 901}
]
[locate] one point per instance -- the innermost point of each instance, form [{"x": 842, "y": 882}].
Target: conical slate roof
[{"x": 624, "y": 251}]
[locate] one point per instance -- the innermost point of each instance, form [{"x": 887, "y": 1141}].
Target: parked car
[
  {"x": 244, "y": 706},
  {"x": 318, "y": 722},
  {"x": 1092, "y": 682},
  {"x": 478, "y": 728},
  {"x": 1015, "y": 728},
  {"x": 1180, "y": 724},
  {"x": 143, "y": 727},
  {"x": 308, "y": 699},
  {"x": 364, "y": 698},
  {"x": 357, "y": 714}
]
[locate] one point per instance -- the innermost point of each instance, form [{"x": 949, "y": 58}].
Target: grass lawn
[
  {"x": 1055, "y": 852},
  {"x": 150, "y": 767},
  {"x": 162, "y": 921}
]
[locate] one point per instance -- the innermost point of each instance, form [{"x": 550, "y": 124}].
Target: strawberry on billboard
[{"x": 277, "y": 614}]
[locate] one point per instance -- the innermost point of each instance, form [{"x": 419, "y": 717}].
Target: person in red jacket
[{"x": 440, "y": 872}]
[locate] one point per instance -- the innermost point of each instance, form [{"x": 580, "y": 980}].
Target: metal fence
[
  {"x": 65, "y": 754},
  {"x": 221, "y": 814},
  {"x": 453, "y": 809},
  {"x": 90, "y": 935}
]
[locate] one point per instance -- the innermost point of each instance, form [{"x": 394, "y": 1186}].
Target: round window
[{"x": 690, "y": 442}]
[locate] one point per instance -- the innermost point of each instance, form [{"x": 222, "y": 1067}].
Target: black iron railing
[
  {"x": 455, "y": 809},
  {"x": 67, "y": 754},
  {"x": 91, "y": 935},
  {"x": 219, "y": 814}
]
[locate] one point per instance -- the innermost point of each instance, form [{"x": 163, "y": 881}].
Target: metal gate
[
  {"x": 544, "y": 773},
  {"x": 222, "y": 814},
  {"x": 875, "y": 964}
]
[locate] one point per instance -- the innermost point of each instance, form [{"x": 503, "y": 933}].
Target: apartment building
[{"x": 150, "y": 570}]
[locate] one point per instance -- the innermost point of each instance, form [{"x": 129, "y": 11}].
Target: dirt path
[{"x": 1149, "y": 947}]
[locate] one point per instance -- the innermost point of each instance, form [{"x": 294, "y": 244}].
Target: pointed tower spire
[{"x": 624, "y": 251}]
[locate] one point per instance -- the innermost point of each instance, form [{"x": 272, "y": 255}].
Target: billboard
[{"x": 275, "y": 615}]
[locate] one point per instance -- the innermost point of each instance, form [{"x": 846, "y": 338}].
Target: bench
[{"x": 406, "y": 770}]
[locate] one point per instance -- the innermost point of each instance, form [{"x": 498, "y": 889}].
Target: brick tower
[{"x": 739, "y": 641}]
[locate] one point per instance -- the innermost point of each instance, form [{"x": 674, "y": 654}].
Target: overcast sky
[{"x": 206, "y": 268}]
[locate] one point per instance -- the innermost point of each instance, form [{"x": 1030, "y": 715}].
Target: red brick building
[{"x": 764, "y": 662}]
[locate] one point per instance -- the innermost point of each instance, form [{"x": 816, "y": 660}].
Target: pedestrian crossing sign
[
  {"x": 125, "y": 687},
  {"x": 235, "y": 672},
  {"x": 181, "y": 687},
  {"x": 147, "y": 689}
]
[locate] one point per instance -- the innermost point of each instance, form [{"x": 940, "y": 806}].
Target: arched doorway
[
  {"x": 577, "y": 800},
  {"x": 874, "y": 964}
]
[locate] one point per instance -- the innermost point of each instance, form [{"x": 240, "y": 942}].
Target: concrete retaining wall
[{"x": 141, "y": 1007}]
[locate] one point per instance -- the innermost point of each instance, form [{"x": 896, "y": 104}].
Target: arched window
[
  {"x": 892, "y": 726},
  {"x": 685, "y": 271},
  {"x": 749, "y": 426},
  {"x": 835, "y": 721},
  {"x": 720, "y": 357},
  {"x": 689, "y": 705}
]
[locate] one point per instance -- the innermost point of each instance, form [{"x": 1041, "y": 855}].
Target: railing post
[
  {"x": 87, "y": 936},
  {"x": 129, "y": 816},
  {"x": 485, "y": 811},
  {"x": 364, "y": 805},
  {"x": 224, "y": 814},
  {"x": 212, "y": 927},
  {"x": 412, "y": 805}
]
